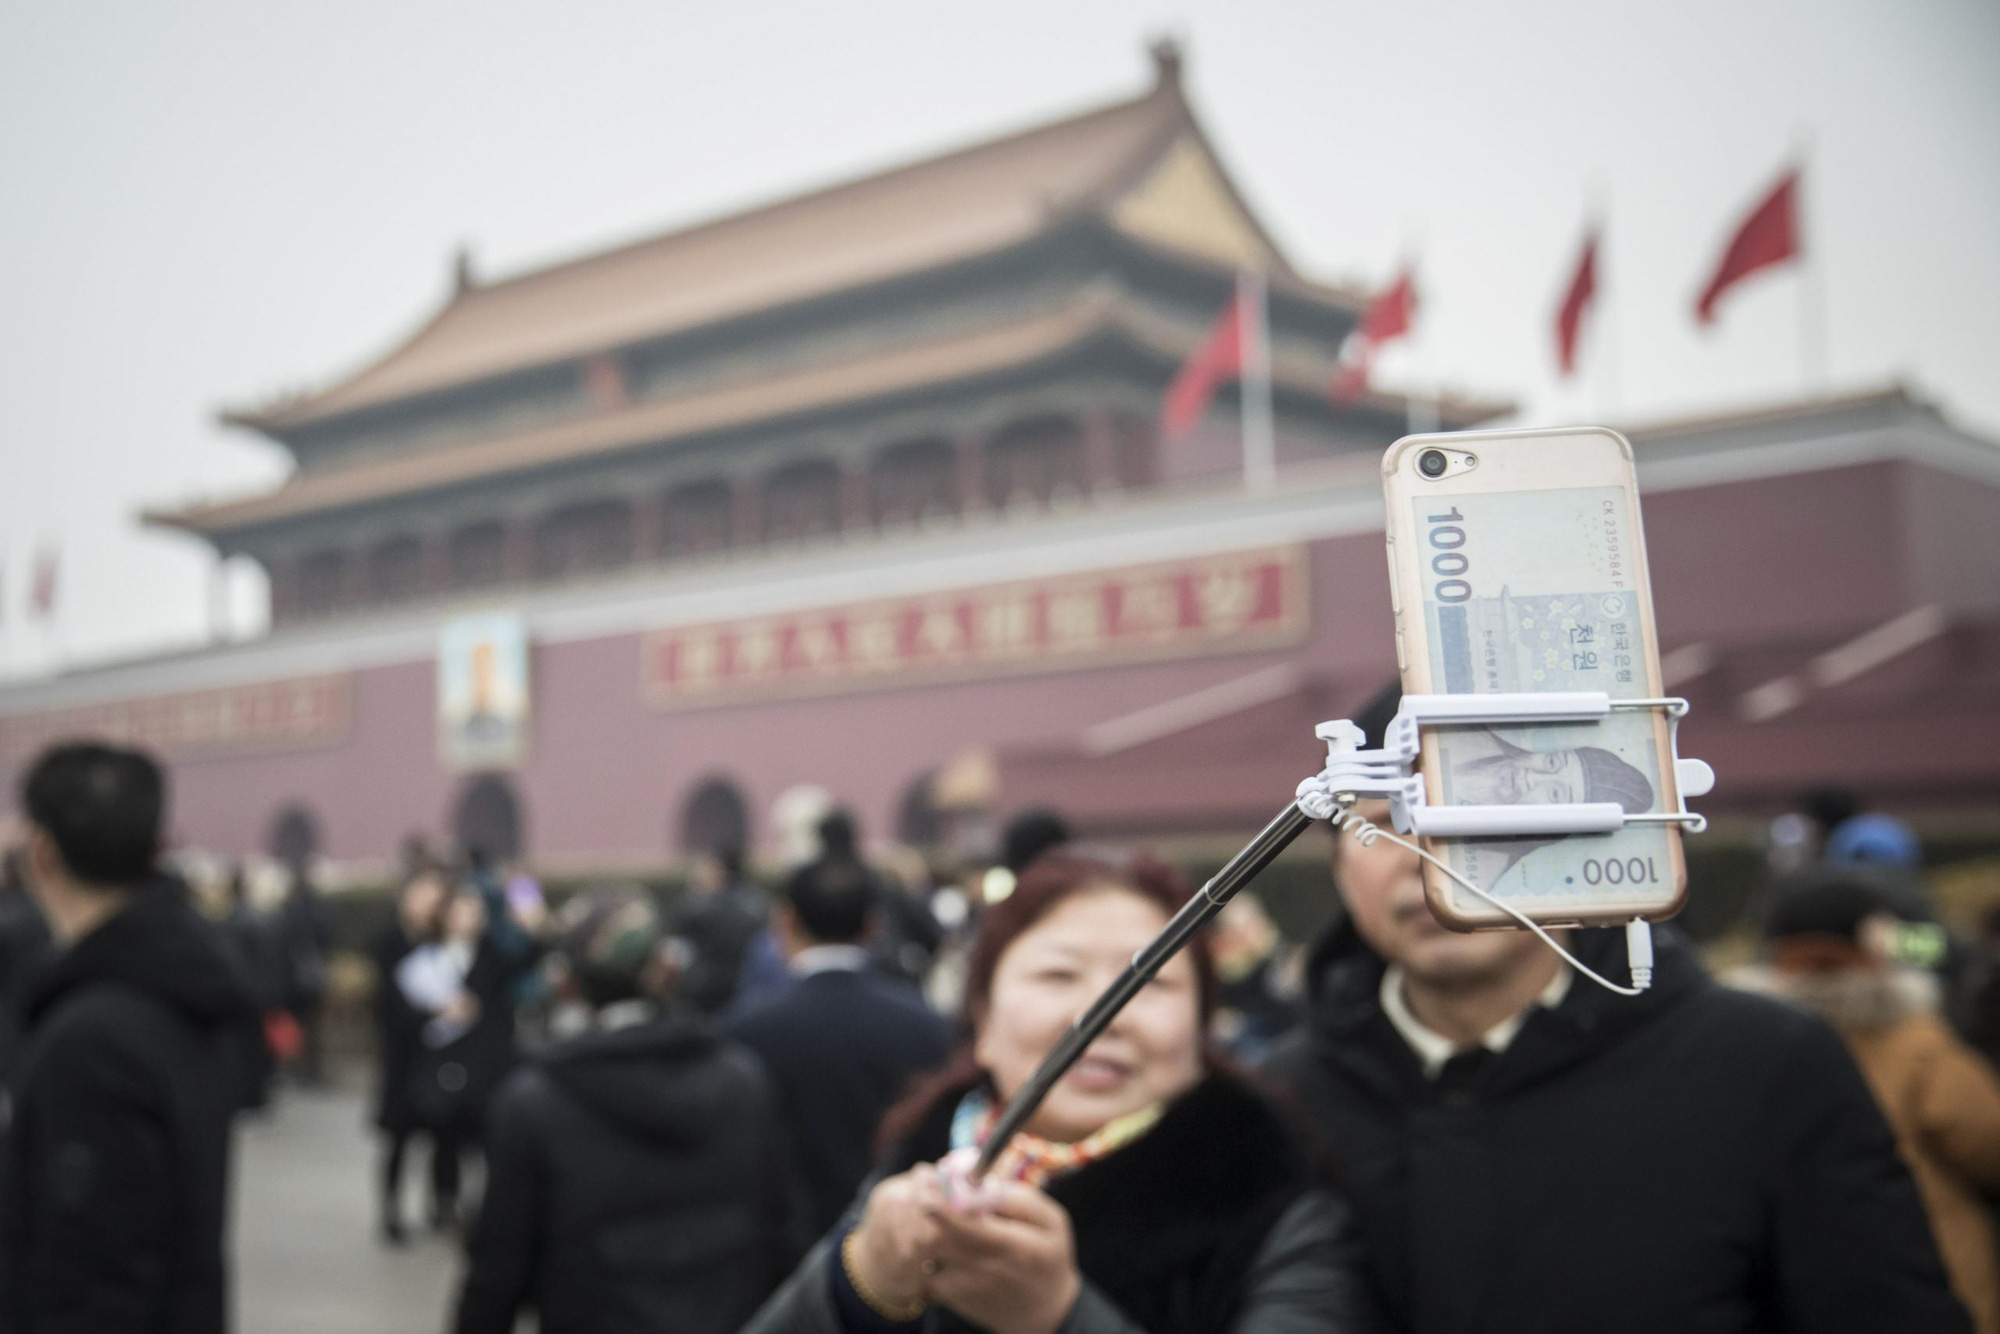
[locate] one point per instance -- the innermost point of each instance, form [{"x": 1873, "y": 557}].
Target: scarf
[{"x": 1037, "y": 1161}]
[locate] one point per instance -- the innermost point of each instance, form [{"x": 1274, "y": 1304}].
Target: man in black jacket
[
  {"x": 1527, "y": 1151},
  {"x": 113, "y": 1204},
  {"x": 635, "y": 1177},
  {"x": 844, "y": 1041}
]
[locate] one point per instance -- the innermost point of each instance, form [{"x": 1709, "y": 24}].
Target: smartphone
[{"x": 1517, "y": 562}]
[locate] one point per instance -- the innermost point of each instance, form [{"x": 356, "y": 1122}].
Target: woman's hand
[
  {"x": 1011, "y": 1267},
  {"x": 898, "y": 1234},
  {"x": 461, "y": 1011}
]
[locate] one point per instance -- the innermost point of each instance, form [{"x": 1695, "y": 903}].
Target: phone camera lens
[{"x": 1432, "y": 463}]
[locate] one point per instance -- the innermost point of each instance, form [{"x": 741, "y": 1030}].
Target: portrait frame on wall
[{"x": 483, "y": 694}]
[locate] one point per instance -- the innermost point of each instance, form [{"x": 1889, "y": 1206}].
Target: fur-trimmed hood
[{"x": 1851, "y": 999}]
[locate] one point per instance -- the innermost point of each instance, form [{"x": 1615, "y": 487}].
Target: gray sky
[{"x": 207, "y": 203}]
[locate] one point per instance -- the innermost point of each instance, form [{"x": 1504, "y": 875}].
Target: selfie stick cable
[{"x": 1638, "y": 932}]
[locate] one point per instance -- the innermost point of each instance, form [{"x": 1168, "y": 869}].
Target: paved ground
[{"x": 307, "y": 1257}]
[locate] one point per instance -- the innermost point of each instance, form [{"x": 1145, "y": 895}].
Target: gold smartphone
[{"x": 1517, "y": 563}]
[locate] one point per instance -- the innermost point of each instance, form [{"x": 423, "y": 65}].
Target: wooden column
[
  {"x": 434, "y": 570},
  {"x": 283, "y": 574},
  {"x": 1100, "y": 452},
  {"x": 857, "y": 505},
  {"x": 649, "y": 527},
  {"x": 518, "y": 567},
  {"x": 746, "y": 518},
  {"x": 971, "y": 452}
]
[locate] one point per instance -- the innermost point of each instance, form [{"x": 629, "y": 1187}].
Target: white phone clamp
[{"x": 1352, "y": 773}]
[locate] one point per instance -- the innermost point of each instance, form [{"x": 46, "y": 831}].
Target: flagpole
[
  {"x": 1260, "y": 448},
  {"x": 1811, "y": 295},
  {"x": 1607, "y": 301}
]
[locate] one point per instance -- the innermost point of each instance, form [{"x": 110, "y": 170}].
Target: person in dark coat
[
  {"x": 24, "y": 944},
  {"x": 302, "y": 934},
  {"x": 635, "y": 1178},
  {"x": 1154, "y": 1191},
  {"x": 465, "y": 1046},
  {"x": 844, "y": 1040},
  {"x": 399, "y": 1025},
  {"x": 722, "y": 914},
  {"x": 1527, "y": 1151},
  {"x": 114, "y": 1177}
]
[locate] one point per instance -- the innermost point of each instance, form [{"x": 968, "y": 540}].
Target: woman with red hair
[{"x": 1155, "y": 1191}]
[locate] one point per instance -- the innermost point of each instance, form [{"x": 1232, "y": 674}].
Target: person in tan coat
[{"x": 1831, "y": 948}]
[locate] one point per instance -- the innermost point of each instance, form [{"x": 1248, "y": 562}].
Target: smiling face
[
  {"x": 1050, "y": 974},
  {"x": 1383, "y": 887}
]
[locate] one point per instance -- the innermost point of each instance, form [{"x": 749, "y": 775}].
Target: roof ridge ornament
[
  {"x": 463, "y": 279},
  {"x": 1166, "y": 54}
]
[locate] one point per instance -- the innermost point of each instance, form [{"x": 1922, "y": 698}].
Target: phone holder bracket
[{"x": 1352, "y": 772}]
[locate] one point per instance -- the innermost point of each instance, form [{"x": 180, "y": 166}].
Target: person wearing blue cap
[{"x": 1874, "y": 840}]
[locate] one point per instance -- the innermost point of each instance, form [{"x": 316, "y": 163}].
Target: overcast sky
[{"x": 208, "y": 203}]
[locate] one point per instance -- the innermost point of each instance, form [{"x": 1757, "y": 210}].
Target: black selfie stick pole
[{"x": 1241, "y": 870}]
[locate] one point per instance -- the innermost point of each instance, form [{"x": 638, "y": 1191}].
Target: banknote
[{"x": 1537, "y": 591}]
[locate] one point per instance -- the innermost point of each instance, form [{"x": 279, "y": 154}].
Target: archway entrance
[{"x": 487, "y": 823}]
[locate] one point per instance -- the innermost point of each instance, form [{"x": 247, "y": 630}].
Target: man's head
[
  {"x": 1383, "y": 888},
  {"x": 94, "y": 815},
  {"x": 827, "y": 902},
  {"x": 610, "y": 941}
]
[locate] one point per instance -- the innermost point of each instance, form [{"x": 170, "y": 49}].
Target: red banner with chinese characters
[
  {"x": 270, "y": 715},
  {"x": 1210, "y": 604}
]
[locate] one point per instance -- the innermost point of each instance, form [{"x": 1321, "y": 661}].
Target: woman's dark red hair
[{"x": 1047, "y": 881}]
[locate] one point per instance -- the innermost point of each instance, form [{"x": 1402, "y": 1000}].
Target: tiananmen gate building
[{"x": 864, "y": 489}]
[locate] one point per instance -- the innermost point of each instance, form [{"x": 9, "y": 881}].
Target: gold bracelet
[{"x": 876, "y": 1303}]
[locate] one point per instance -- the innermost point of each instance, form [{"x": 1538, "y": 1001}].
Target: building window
[
  {"x": 487, "y": 823},
  {"x": 697, "y": 518},
  {"x": 594, "y": 535},
  {"x": 322, "y": 581},
  {"x": 1035, "y": 462},
  {"x": 478, "y": 555},
  {"x": 715, "y": 817},
  {"x": 801, "y": 501},
  {"x": 293, "y": 838},
  {"x": 396, "y": 569},
  {"x": 915, "y": 482}
]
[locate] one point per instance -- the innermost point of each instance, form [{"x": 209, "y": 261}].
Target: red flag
[
  {"x": 1770, "y": 235},
  {"x": 1391, "y": 313},
  {"x": 1388, "y": 316},
  {"x": 1582, "y": 290},
  {"x": 42, "y": 593},
  {"x": 1216, "y": 362}
]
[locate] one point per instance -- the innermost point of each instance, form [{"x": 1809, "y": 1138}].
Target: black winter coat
[
  {"x": 1209, "y": 1223},
  {"x": 398, "y": 1029},
  {"x": 635, "y": 1184},
  {"x": 1687, "y": 1161},
  {"x": 112, "y": 1208},
  {"x": 842, "y": 1046}
]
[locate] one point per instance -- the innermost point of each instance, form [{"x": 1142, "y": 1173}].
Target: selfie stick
[{"x": 1350, "y": 774}]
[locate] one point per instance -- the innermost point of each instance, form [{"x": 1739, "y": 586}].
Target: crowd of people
[{"x": 747, "y": 1109}]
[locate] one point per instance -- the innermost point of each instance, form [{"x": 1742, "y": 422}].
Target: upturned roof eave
[
  {"x": 1099, "y": 311},
  {"x": 1165, "y": 118},
  {"x": 288, "y": 414}
]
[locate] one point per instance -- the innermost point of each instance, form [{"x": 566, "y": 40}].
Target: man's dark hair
[
  {"x": 1030, "y": 834},
  {"x": 729, "y": 856},
  {"x": 1830, "y": 807},
  {"x": 1374, "y": 717},
  {"x": 103, "y": 807},
  {"x": 833, "y": 898},
  {"x": 839, "y": 836}
]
